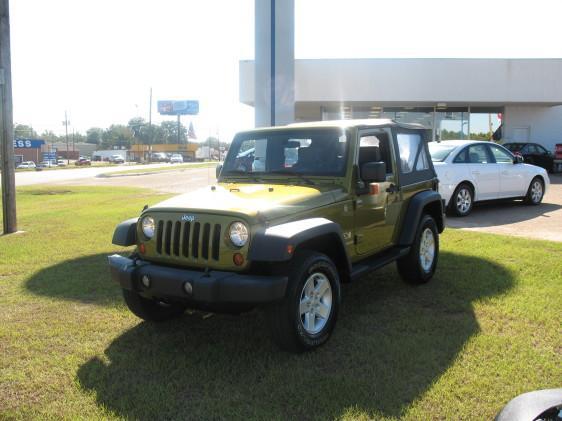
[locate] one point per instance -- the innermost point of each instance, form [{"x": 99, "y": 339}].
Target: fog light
[
  {"x": 188, "y": 288},
  {"x": 238, "y": 259},
  {"x": 145, "y": 280}
]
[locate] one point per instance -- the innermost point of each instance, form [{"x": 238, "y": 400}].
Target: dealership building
[{"x": 450, "y": 97}]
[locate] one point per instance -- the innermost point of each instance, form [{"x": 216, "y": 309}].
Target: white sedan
[{"x": 472, "y": 171}]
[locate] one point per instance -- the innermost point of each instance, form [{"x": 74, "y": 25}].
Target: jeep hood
[{"x": 252, "y": 200}]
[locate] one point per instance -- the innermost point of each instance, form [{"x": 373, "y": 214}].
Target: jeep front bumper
[{"x": 205, "y": 287}]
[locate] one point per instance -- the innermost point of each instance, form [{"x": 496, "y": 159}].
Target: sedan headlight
[
  {"x": 238, "y": 234},
  {"x": 148, "y": 226}
]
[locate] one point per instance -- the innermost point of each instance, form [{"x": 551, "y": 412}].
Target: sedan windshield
[
  {"x": 292, "y": 152},
  {"x": 440, "y": 151}
]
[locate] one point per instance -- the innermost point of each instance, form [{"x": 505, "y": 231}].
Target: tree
[
  {"x": 170, "y": 132},
  {"x": 23, "y": 130},
  {"x": 93, "y": 135},
  {"x": 49, "y": 136},
  {"x": 117, "y": 135}
]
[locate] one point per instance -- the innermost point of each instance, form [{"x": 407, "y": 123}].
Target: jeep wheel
[
  {"x": 419, "y": 265},
  {"x": 462, "y": 200},
  {"x": 535, "y": 192},
  {"x": 151, "y": 310},
  {"x": 306, "y": 317}
]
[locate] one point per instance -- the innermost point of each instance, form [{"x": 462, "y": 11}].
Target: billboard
[{"x": 186, "y": 107}]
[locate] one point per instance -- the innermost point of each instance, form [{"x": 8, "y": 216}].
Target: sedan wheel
[
  {"x": 462, "y": 200},
  {"x": 535, "y": 192}
]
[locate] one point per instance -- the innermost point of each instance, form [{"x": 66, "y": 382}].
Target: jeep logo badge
[{"x": 188, "y": 218}]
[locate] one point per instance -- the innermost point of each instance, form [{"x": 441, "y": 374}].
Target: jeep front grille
[{"x": 191, "y": 240}]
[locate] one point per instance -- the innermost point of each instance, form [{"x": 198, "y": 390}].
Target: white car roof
[{"x": 462, "y": 142}]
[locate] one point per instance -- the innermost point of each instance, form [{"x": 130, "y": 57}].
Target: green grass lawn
[{"x": 485, "y": 329}]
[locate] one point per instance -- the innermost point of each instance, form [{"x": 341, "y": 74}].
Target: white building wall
[
  {"x": 541, "y": 124},
  {"x": 460, "y": 81}
]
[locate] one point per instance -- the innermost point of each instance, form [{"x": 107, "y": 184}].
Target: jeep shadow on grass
[
  {"x": 297, "y": 211},
  {"x": 392, "y": 342}
]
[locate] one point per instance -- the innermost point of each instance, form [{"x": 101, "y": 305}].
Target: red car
[{"x": 83, "y": 161}]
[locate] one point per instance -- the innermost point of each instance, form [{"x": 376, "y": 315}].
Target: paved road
[
  {"x": 27, "y": 178},
  {"x": 511, "y": 218},
  {"x": 180, "y": 181}
]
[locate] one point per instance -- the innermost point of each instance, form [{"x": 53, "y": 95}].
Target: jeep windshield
[{"x": 298, "y": 152}]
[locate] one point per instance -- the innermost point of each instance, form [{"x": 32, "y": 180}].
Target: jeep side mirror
[
  {"x": 518, "y": 159},
  {"x": 373, "y": 172},
  {"x": 218, "y": 170}
]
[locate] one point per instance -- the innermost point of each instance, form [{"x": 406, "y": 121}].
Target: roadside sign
[
  {"x": 28, "y": 143},
  {"x": 50, "y": 156},
  {"x": 187, "y": 107}
]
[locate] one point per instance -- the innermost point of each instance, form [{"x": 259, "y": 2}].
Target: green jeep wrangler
[{"x": 296, "y": 211}]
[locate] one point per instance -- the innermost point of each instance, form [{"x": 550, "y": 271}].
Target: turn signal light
[
  {"x": 238, "y": 259},
  {"x": 374, "y": 188}
]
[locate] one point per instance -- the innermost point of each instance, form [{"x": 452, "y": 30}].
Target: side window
[
  {"x": 477, "y": 154},
  {"x": 408, "y": 145},
  {"x": 462, "y": 157},
  {"x": 375, "y": 148},
  {"x": 501, "y": 156},
  {"x": 541, "y": 150},
  {"x": 527, "y": 149},
  {"x": 422, "y": 161}
]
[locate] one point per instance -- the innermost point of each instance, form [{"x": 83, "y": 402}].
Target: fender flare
[
  {"x": 273, "y": 244},
  {"x": 125, "y": 233},
  {"x": 414, "y": 212}
]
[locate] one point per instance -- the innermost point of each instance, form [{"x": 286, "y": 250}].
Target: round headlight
[
  {"x": 238, "y": 234},
  {"x": 148, "y": 226}
]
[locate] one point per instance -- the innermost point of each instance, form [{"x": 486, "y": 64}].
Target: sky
[{"x": 98, "y": 59}]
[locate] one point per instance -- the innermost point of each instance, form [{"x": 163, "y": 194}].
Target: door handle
[{"x": 392, "y": 189}]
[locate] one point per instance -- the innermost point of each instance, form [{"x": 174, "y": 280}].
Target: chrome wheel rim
[
  {"x": 536, "y": 191},
  {"x": 315, "y": 303},
  {"x": 427, "y": 249},
  {"x": 463, "y": 200}
]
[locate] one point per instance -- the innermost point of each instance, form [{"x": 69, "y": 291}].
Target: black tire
[
  {"x": 535, "y": 192},
  {"x": 284, "y": 317},
  {"x": 457, "y": 203},
  {"x": 410, "y": 266},
  {"x": 151, "y": 310}
]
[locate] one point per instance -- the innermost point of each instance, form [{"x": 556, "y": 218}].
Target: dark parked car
[
  {"x": 82, "y": 161},
  {"x": 533, "y": 153}
]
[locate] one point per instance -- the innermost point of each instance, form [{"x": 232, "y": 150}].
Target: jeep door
[
  {"x": 376, "y": 204},
  {"x": 415, "y": 169}
]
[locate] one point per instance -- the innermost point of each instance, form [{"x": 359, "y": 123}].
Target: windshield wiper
[{"x": 292, "y": 173}]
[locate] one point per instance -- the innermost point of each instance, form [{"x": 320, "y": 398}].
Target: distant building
[
  {"x": 141, "y": 152},
  {"x": 26, "y": 149},
  {"x": 76, "y": 150}
]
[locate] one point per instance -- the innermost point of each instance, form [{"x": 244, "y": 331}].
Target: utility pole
[
  {"x": 65, "y": 124},
  {"x": 7, "y": 125},
  {"x": 150, "y": 126},
  {"x": 179, "y": 125}
]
